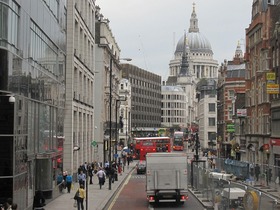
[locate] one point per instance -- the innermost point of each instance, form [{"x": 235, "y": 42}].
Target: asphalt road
[{"x": 132, "y": 195}]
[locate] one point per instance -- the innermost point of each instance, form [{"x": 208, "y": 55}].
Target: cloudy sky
[{"x": 148, "y": 30}]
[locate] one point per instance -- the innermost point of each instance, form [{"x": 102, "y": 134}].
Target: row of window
[
  {"x": 43, "y": 50},
  {"x": 173, "y": 105},
  {"x": 145, "y": 92},
  {"x": 83, "y": 86},
  {"x": 181, "y": 113},
  {"x": 9, "y": 19},
  {"x": 152, "y": 102},
  {"x": 174, "y": 97},
  {"x": 173, "y": 120}
]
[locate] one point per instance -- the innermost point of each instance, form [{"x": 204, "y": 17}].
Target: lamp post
[
  {"x": 110, "y": 118},
  {"x": 87, "y": 191},
  {"x": 110, "y": 122}
]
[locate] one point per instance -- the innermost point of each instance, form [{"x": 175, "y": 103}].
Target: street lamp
[
  {"x": 110, "y": 117},
  {"x": 110, "y": 121}
]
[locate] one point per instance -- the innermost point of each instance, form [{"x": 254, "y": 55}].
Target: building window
[
  {"x": 211, "y": 121},
  {"x": 212, "y": 107},
  {"x": 43, "y": 50},
  {"x": 9, "y": 16}
]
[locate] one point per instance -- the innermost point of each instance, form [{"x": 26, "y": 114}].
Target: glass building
[{"x": 32, "y": 97}]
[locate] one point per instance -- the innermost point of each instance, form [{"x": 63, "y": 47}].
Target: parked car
[{"x": 141, "y": 167}]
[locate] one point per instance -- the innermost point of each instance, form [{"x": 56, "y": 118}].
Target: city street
[{"x": 132, "y": 195}]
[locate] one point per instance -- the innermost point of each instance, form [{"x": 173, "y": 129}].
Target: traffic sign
[{"x": 93, "y": 143}]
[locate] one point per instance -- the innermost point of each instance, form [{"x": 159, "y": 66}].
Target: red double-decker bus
[
  {"x": 144, "y": 145},
  {"x": 178, "y": 141}
]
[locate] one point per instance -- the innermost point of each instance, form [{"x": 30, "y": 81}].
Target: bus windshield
[{"x": 178, "y": 142}]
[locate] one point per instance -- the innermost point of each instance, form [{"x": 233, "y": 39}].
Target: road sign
[{"x": 93, "y": 143}]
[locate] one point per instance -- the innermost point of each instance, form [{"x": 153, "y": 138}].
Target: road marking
[{"x": 117, "y": 195}]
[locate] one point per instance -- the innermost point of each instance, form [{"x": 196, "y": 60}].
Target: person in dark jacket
[
  {"x": 39, "y": 200},
  {"x": 257, "y": 171}
]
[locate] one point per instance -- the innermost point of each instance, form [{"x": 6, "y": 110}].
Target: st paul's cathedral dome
[{"x": 196, "y": 41}]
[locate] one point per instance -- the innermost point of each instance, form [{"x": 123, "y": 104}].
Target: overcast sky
[{"x": 148, "y": 30}]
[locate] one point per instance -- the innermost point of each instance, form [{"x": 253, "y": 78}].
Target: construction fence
[{"x": 226, "y": 190}]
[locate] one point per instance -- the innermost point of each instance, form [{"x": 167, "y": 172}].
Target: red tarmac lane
[{"x": 132, "y": 195}]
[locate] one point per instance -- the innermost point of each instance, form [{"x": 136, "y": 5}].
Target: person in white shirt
[{"x": 101, "y": 177}]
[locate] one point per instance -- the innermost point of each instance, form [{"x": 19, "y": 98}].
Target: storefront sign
[
  {"x": 241, "y": 112},
  {"x": 270, "y": 76},
  {"x": 272, "y": 88}
]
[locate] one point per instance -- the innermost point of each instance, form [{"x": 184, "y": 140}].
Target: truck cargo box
[{"x": 166, "y": 177}]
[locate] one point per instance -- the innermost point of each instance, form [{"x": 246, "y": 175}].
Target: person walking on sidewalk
[
  {"x": 257, "y": 171},
  {"x": 82, "y": 178},
  {"x": 59, "y": 182},
  {"x": 90, "y": 174},
  {"x": 39, "y": 200},
  {"x": 101, "y": 177},
  {"x": 68, "y": 182},
  {"x": 81, "y": 197}
]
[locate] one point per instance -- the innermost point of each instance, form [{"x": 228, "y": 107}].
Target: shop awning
[{"x": 275, "y": 142}]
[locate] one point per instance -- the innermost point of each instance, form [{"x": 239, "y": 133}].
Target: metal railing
[{"x": 231, "y": 192}]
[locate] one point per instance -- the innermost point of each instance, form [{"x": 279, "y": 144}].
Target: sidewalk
[{"x": 97, "y": 198}]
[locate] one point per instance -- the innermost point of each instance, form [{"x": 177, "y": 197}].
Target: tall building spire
[
  {"x": 184, "y": 71},
  {"x": 193, "y": 21},
  {"x": 238, "y": 51}
]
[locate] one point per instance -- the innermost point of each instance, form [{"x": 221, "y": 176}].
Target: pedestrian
[
  {"x": 68, "y": 182},
  {"x": 59, "y": 181},
  {"x": 128, "y": 161},
  {"x": 251, "y": 167},
  {"x": 268, "y": 176},
  {"x": 107, "y": 168},
  {"x": 115, "y": 171},
  {"x": 120, "y": 169},
  {"x": 257, "y": 171},
  {"x": 101, "y": 177},
  {"x": 112, "y": 173},
  {"x": 82, "y": 178},
  {"x": 90, "y": 173},
  {"x": 39, "y": 200},
  {"x": 81, "y": 197},
  {"x": 64, "y": 178},
  {"x": 85, "y": 167}
]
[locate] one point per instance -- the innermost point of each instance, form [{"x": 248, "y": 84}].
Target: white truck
[{"x": 166, "y": 177}]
